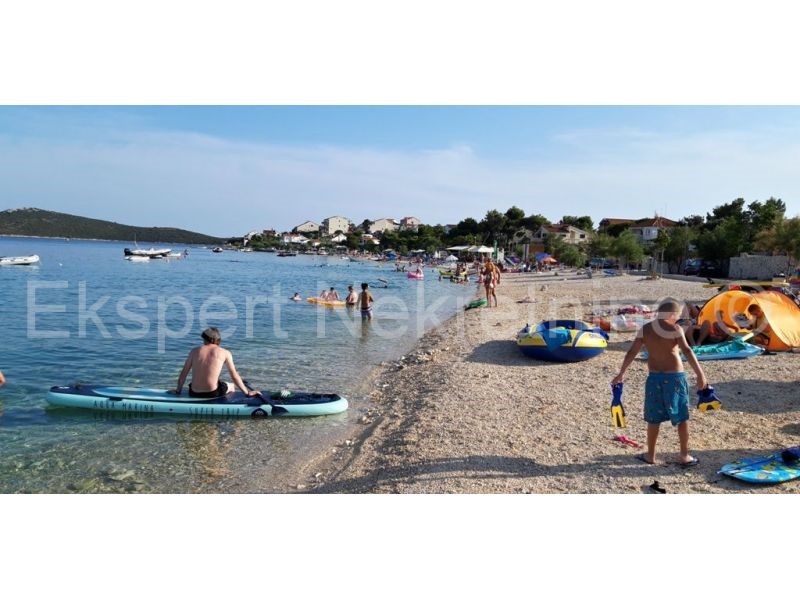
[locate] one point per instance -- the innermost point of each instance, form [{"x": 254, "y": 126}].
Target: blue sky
[{"x": 228, "y": 170}]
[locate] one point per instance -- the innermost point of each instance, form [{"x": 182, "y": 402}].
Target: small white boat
[
  {"x": 175, "y": 255},
  {"x": 7, "y": 261},
  {"x": 216, "y": 250},
  {"x": 135, "y": 258},
  {"x": 151, "y": 253}
]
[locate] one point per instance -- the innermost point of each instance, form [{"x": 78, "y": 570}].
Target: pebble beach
[{"x": 466, "y": 412}]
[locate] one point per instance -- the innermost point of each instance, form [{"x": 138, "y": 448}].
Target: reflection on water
[{"x": 47, "y": 449}]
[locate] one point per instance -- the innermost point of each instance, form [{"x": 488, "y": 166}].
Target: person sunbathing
[{"x": 707, "y": 332}]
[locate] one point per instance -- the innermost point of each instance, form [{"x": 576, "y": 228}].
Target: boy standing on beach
[{"x": 666, "y": 390}]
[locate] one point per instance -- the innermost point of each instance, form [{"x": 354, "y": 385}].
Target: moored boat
[
  {"x": 8, "y": 261},
  {"x": 150, "y": 253}
]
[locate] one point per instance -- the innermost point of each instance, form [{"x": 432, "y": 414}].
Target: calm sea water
[{"x": 86, "y": 315}]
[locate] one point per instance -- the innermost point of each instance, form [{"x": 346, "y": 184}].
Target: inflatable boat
[
  {"x": 8, "y": 261},
  {"x": 415, "y": 275},
  {"x": 562, "y": 341},
  {"x": 234, "y": 404}
]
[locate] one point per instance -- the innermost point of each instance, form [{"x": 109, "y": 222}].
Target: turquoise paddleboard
[
  {"x": 762, "y": 469},
  {"x": 234, "y": 404}
]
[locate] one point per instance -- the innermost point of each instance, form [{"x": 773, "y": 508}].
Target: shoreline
[
  {"x": 465, "y": 412},
  {"x": 63, "y": 238}
]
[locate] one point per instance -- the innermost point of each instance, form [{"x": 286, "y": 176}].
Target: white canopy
[
  {"x": 484, "y": 250},
  {"x": 457, "y": 248},
  {"x": 451, "y": 258}
]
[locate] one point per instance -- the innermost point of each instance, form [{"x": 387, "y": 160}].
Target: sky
[{"x": 227, "y": 170}]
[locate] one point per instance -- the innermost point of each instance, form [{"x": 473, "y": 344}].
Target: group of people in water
[{"x": 362, "y": 300}]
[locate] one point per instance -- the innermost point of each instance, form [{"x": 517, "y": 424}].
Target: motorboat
[
  {"x": 8, "y": 261},
  {"x": 151, "y": 253},
  {"x": 136, "y": 258},
  {"x": 216, "y": 250}
]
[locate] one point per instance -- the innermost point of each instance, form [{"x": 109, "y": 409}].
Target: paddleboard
[
  {"x": 762, "y": 469},
  {"x": 235, "y": 404},
  {"x": 328, "y": 303}
]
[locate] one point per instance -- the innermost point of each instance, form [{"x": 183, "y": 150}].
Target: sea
[{"x": 84, "y": 314}]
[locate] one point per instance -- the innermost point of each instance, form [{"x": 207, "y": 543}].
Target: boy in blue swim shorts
[{"x": 666, "y": 390}]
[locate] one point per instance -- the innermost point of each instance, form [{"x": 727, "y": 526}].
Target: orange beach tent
[{"x": 780, "y": 311}]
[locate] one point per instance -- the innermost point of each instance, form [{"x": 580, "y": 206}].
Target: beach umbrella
[
  {"x": 540, "y": 256},
  {"x": 484, "y": 250},
  {"x": 451, "y": 258},
  {"x": 549, "y": 260}
]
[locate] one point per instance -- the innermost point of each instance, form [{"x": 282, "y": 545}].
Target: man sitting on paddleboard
[{"x": 205, "y": 363}]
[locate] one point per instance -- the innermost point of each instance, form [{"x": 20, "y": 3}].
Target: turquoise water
[{"x": 86, "y": 315}]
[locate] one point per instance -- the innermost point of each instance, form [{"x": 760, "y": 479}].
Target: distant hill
[{"x": 46, "y": 223}]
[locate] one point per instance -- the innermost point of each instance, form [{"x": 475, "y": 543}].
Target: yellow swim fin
[
  {"x": 707, "y": 400},
  {"x": 617, "y": 410}
]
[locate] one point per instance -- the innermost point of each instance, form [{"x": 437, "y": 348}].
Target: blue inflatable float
[{"x": 562, "y": 341}]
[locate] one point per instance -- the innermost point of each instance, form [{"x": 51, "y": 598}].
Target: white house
[
  {"x": 289, "y": 238},
  {"x": 307, "y": 227},
  {"x": 337, "y": 239},
  {"x": 383, "y": 225},
  {"x": 647, "y": 229},
  {"x": 570, "y": 234},
  {"x": 409, "y": 224},
  {"x": 369, "y": 238},
  {"x": 333, "y": 224}
]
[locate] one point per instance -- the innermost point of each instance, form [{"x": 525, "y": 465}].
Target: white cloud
[{"x": 223, "y": 187}]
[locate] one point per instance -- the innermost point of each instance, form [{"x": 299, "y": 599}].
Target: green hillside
[{"x": 46, "y": 223}]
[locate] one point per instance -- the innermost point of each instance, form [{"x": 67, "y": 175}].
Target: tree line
[{"x": 726, "y": 231}]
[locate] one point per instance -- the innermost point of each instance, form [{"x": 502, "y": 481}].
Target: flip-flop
[
  {"x": 643, "y": 457},
  {"x": 626, "y": 440},
  {"x": 657, "y": 487},
  {"x": 692, "y": 463}
]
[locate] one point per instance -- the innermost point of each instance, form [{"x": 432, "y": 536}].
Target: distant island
[{"x": 36, "y": 222}]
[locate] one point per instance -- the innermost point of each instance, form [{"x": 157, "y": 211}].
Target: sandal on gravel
[
  {"x": 692, "y": 463},
  {"x": 643, "y": 457}
]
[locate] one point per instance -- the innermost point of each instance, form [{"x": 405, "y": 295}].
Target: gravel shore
[{"x": 466, "y": 412}]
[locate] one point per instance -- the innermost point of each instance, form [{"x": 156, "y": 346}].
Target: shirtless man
[
  {"x": 666, "y": 390},
  {"x": 205, "y": 363},
  {"x": 365, "y": 301},
  {"x": 333, "y": 295}
]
